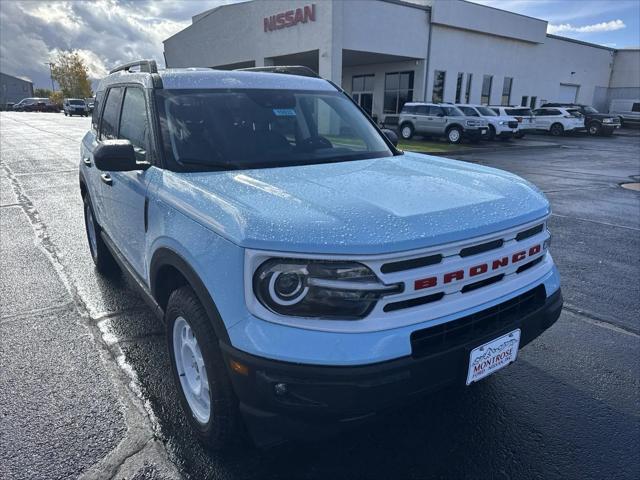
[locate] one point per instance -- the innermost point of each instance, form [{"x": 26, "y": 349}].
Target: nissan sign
[{"x": 290, "y": 18}]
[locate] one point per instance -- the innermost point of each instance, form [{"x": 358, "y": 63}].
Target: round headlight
[{"x": 287, "y": 288}]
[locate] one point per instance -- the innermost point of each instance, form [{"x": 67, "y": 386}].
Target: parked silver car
[{"x": 441, "y": 120}]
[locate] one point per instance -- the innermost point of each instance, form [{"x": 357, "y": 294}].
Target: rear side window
[
  {"x": 133, "y": 121},
  {"x": 518, "y": 111},
  {"x": 422, "y": 110},
  {"x": 433, "y": 110},
  {"x": 409, "y": 109},
  {"x": 95, "y": 116},
  {"x": 111, "y": 113},
  {"x": 635, "y": 107},
  {"x": 469, "y": 112}
]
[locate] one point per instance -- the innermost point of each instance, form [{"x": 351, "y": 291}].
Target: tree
[
  {"x": 57, "y": 98},
  {"x": 42, "y": 93},
  {"x": 71, "y": 73}
]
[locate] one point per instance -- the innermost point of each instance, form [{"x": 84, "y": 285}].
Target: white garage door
[{"x": 568, "y": 93}]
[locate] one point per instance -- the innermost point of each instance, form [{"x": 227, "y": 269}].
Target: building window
[
  {"x": 506, "y": 90},
  {"x": 459, "y": 87},
  {"x": 532, "y": 105},
  {"x": 437, "y": 96},
  {"x": 485, "y": 96},
  {"x": 523, "y": 102},
  {"x": 362, "y": 91},
  {"x": 398, "y": 89},
  {"x": 467, "y": 93}
]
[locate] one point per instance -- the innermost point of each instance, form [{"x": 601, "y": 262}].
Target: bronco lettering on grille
[{"x": 478, "y": 269}]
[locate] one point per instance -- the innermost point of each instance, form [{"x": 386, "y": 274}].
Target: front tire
[
  {"x": 199, "y": 372},
  {"x": 100, "y": 254},
  {"x": 557, "y": 129},
  {"x": 492, "y": 133},
  {"x": 406, "y": 131},
  {"x": 594, "y": 129},
  {"x": 454, "y": 135}
]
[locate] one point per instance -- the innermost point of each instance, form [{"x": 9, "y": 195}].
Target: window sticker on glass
[{"x": 284, "y": 112}]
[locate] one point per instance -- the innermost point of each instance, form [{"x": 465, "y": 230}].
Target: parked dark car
[{"x": 595, "y": 122}]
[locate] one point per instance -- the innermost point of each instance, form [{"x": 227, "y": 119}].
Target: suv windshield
[
  {"x": 237, "y": 129},
  {"x": 590, "y": 110},
  {"x": 452, "y": 111},
  {"x": 486, "y": 112}
]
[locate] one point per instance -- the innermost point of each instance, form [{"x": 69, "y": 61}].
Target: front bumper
[
  {"x": 476, "y": 133},
  {"x": 282, "y": 400}
]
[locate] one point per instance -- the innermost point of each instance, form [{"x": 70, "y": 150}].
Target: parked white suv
[
  {"x": 523, "y": 115},
  {"x": 558, "y": 121},
  {"x": 500, "y": 126}
]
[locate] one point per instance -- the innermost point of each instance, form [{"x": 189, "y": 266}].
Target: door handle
[
  {"x": 87, "y": 161},
  {"x": 106, "y": 178}
]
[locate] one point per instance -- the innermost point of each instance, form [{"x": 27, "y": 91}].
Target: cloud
[
  {"x": 104, "y": 32},
  {"x": 609, "y": 26}
]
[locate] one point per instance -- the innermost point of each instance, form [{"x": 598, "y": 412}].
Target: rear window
[
  {"x": 76, "y": 102},
  {"x": 486, "y": 112},
  {"x": 469, "y": 112},
  {"x": 525, "y": 112},
  {"x": 110, "y": 116},
  {"x": 452, "y": 111}
]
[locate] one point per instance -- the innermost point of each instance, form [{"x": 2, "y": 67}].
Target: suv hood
[{"x": 360, "y": 207}]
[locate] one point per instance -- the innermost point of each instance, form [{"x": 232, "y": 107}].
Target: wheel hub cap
[{"x": 191, "y": 370}]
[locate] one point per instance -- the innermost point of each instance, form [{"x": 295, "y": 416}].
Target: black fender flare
[{"x": 166, "y": 257}]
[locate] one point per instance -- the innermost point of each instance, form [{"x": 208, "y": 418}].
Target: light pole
[{"x": 53, "y": 88}]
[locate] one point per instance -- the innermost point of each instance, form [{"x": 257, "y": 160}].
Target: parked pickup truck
[
  {"x": 308, "y": 272},
  {"x": 596, "y": 123}
]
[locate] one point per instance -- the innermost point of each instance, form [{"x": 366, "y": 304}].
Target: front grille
[
  {"x": 529, "y": 233},
  {"x": 456, "y": 333},
  {"x": 483, "y": 247},
  {"x": 513, "y": 124},
  {"x": 409, "y": 264}
]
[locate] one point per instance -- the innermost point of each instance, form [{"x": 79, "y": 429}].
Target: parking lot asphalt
[{"x": 84, "y": 388}]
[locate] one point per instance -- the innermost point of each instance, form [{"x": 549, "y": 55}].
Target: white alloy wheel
[
  {"x": 454, "y": 135},
  {"x": 191, "y": 370},
  {"x": 406, "y": 132}
]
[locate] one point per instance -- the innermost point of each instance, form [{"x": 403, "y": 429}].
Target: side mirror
[
  {"x": 115, "y": 156},
  {"x": 391, "y": 135}
]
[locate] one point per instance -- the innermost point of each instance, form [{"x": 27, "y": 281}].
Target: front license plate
[
  {"x": 491, "y": 357},
  {"x": 483, "y": 131}
]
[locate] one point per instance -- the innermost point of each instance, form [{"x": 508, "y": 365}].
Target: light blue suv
[{"x": 309, "y": 273}]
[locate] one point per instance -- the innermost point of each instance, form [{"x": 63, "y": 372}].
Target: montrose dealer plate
[{"x": 492, "y": 356}]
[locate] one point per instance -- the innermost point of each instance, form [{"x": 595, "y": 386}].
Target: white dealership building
[{"x": 386, "y": 52}]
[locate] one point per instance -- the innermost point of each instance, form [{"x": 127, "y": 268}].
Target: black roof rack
[
  {"x": 299, "y": 70},
  {"x": 148, "y": 66}
]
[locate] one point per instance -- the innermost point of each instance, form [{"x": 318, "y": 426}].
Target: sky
[{"x": 110, "y": 32}]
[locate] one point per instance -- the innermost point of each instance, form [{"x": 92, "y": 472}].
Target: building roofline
[
  {"x": 404, "y": 3},
  {"x": 506, "y": 11},
  {"x": 588, "y": 44}
]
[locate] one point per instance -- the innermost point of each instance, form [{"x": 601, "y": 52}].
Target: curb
[{"x": 466, "y": 151}]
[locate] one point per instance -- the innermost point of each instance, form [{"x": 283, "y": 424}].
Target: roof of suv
[{"x": 195, "y": 78}]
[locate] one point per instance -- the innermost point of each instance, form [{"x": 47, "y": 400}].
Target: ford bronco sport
[{"x": 308, "y": 272}]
